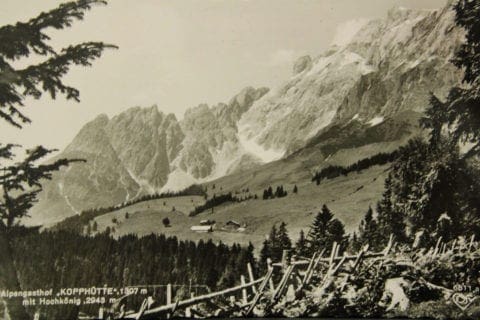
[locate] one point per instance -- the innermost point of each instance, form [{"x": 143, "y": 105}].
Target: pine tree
[
  {"x": 272, "y": 239},
  {"x": 265, "y": 195},
  {"x": 389, "y": 220},
  {"x": 435, "y": 118},
  {"x": 166, "y": 222},
  {"x": 265, "y": 254},
  {"x": 354, "y": 244},
  {"x": 336, "y": 231},
  {"x": 368, "y": 231},
  {"x": 429, "y": 181},
  {"x": 301, "y": 245},
  {"x": 295, "y": 189},
  {"x": 21, "y": 183},
  {"x": 463, "y": 102},
  {"x": 283, "y": 240},
  {"x": 323, "y": 231},
  {"x": 269, "y": 192}
]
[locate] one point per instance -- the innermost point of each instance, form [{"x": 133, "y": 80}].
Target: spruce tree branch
[
  {"x": 6, "y": 150},
  {"x": 21, "y": 182},
  {"x": 48, "y": 74},
  {"x": 45, "y": 77},
  {"x": 21, "y": 39}
]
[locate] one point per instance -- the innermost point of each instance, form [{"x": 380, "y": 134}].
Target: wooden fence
[{"x": 294, "y": 275}]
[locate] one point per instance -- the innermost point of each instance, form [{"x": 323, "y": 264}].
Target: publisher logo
[{"x": 463, "y": 301}]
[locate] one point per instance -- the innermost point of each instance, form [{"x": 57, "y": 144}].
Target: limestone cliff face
[
  {"x": 145, "y": 141},
  {"x": 102, "y": 180},
  {"x": 389, "y": 66},
  {"x": 211, "y": 144}
]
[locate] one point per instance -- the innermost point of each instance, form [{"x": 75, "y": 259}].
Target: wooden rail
[{"x": 154, "y": 312}]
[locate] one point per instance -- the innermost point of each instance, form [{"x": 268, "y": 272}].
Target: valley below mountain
[{"x": 348, "y": 103}]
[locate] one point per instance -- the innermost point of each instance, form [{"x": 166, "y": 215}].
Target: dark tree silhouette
[
  {"x": 463, "y": 102},
  {"x": 301, "y": 245},
  {"x": 278, "y": 240},
  {"x": 324, "y": 230},
  {"x": 26, "y": 38},
  {"x": 21, "y": 181},
  {"x": 166, "y": 222},
  {"x": 331, "y": 172}
]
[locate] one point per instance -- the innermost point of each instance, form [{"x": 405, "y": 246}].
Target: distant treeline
[
  {"x": 221, "y": 199},
  {"x": 279, "y": 193},
  {"x": 331, "y": 172},
  {"x": 213, "y": 202},
  {"x": 77, "y": 222},
  {"x": 68, "y": 260}
]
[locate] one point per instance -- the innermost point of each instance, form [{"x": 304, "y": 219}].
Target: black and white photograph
[{"x": 199, "y": 159}]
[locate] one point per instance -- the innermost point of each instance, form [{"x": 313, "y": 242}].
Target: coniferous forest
[{"x": 68, "y": 260}]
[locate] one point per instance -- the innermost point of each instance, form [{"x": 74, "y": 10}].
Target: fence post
[
  {"x": 169, "y": 293},
  {"x": 389, "y": 246},
  {"x": 332, "y": 254},
  {"x": 285, "y": 261},
  {"x": 250, "y": 275},
  {"x": 192, "y": 294},
  {"x": 437, "y": 246},
  {"x": 453, "y": 244},
  {"x": 270, "y": 280},
  {"x": 261, "y": 288},
  {"x": 337, "y": 251},
  {"x": 283, "y": 282},
  {"x": 244, "y": 290}
]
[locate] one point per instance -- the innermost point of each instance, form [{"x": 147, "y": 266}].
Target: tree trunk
[{"x": 9, "y": 279}]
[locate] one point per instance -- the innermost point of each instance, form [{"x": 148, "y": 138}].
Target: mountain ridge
[{"x": 363, "y": 95}]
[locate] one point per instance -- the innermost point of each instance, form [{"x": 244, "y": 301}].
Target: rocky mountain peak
[
  {"x": 388, "y": 66},
  {"x": 302, "y": 63}
]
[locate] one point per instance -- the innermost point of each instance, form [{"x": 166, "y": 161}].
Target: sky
[{"x": 178, "y": 54}]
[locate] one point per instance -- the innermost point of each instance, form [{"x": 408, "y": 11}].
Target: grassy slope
[{"x": 340, "y": 194}]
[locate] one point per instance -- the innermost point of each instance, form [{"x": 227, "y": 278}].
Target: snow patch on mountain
[
  {"x": 178, "y": 180},
  {"x": 254, "y": 148},
  {"x": 143, "y": 183},
  {"x": 224, "y": 159},
  {"x": 375, "y": 121}
]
